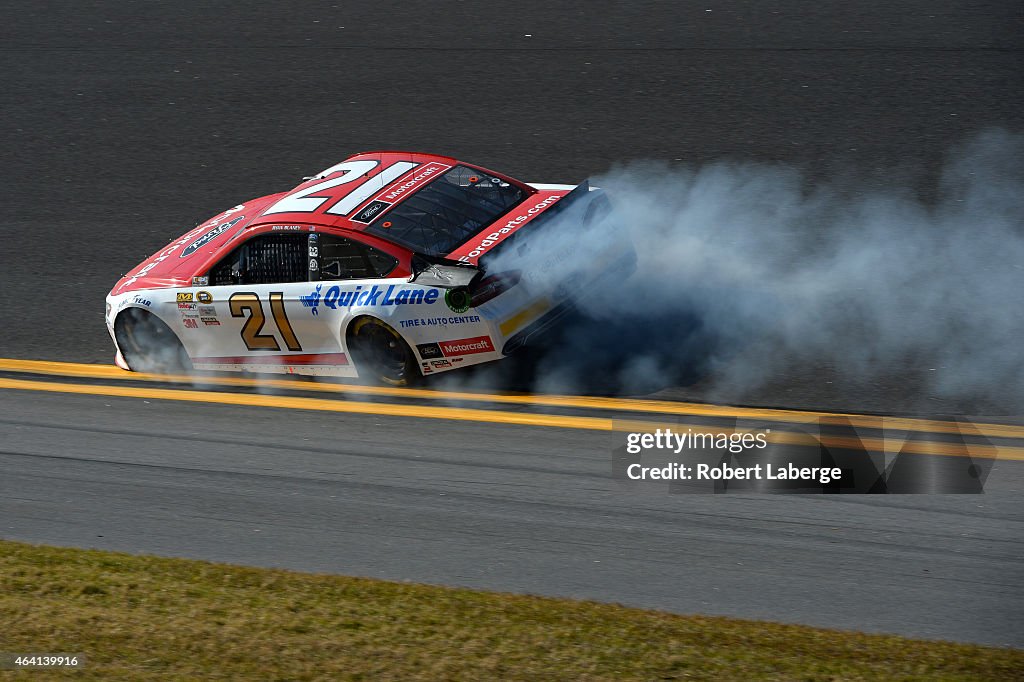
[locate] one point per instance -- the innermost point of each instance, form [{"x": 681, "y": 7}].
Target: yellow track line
[
  {"x": 296, "y": 403},
  {"x": 499, "y": 417},
  {"x": 585, "y": 402}
]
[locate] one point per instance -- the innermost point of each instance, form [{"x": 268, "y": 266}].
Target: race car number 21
[
  {"x": 247, "y": 304},
  {"x": 307, "y": 200}
]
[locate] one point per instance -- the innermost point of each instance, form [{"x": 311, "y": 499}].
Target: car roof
[
  {"x": 349, "y": 193},
  {"x": 384, "y": 178}
]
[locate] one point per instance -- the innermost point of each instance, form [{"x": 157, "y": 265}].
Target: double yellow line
[
  {"x": 88, "y": 371},
  {"x": 298, "y": 403}
]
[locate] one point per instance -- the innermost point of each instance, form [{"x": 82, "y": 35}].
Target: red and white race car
[{"x": 376, "y": 267}]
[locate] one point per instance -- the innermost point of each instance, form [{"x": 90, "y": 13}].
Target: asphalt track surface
[
  {"x": 124, "y": 124},
  {"x": 514, "y": 497}
]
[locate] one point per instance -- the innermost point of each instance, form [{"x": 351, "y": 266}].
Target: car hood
[{"x": 176, "y": 263}]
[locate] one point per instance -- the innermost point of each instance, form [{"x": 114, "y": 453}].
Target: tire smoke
[{"x": 747, "y": 271}]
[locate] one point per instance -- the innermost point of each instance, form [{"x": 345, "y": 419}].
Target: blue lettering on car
[
  {"x": 312, "y": 300},
  {"x": 335, "y": 298}
]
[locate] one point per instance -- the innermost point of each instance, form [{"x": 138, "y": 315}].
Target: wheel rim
[
  {"x": 383, "y": 352},
  {"x": 149, "y": 345}
]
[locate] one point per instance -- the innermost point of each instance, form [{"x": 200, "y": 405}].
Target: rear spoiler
[
  {"x": 437, "y": 271},
  {"x": 595, "y": 201}
]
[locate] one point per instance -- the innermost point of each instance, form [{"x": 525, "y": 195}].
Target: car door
[
  {"x": 344, "y": 272},
  {"x": 250, "y": 314}
]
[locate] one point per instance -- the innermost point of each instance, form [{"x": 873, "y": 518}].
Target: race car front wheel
[
  {"x": 381, "y": 354},
  {"x": 149, "y": 345}
]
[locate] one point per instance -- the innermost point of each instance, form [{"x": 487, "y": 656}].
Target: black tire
[
  {"x": 149, "y": 345},
  {"x": 381, "y": 354}
]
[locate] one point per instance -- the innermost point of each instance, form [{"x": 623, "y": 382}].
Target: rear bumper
[
  {"x": 621, "y": 268},
  {"x": 537, "y": 327}
]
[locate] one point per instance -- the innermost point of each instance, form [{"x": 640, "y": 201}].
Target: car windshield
[{"x": 448, "y": 211}]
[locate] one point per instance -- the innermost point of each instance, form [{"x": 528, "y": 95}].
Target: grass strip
[{"x": 144, "y": 617}]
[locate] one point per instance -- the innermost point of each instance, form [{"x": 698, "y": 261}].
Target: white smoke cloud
[{"x": 745, "y": 270}]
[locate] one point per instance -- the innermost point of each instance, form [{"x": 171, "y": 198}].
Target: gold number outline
[
  {"x": 243, "y": 301},
  {"x": 281, "y": 320}
]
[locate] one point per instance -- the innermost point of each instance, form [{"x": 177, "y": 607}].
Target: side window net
[{"x": 268, "y": 259}]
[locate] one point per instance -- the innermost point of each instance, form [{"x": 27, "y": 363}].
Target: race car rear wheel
[
  {"x": 149, "y": 345},
  {"x": 381, "y": 354}
]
